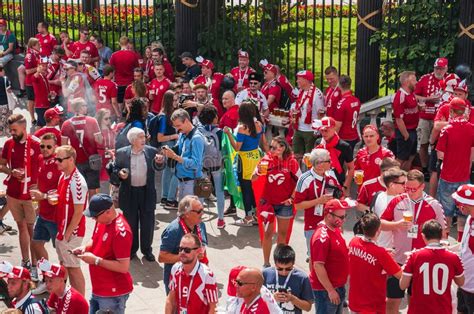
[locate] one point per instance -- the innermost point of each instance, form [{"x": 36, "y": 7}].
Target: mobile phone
[
  {"x": 284, "y": 290},
  {"x": 71, "y": 252}
]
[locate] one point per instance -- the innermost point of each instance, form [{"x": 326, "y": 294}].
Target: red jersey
[
  {"x": 194, "y": 292},
  {"x": 257, "y": 306},
  {"x": 272, "y": 88},
  {"x": 370, "y": 163},
  {"x": 169, "y": 73},
  {"x": 332, "y": 96},
  {"x": 369, "y": 265},
  {"x": 368, "y": 189},
  {"x": 230, "y": 118},
  {"x": 47, "y": 44},
  {"x": 41, "y": 88},
  {"x": 111, "y": 242},
  {"x": 286, "y": 85},
  {"x": 455, "y": 141},
  {"x": 347, "y": 112},
  {"x": 432, "y": 270},
  {"x": 72, "y": 302},
  {"x": 53, "y": 74},
  {"x": 216, "y": 81},
  {"x": 281, "y": 179},
  {"x": 124, "y": 61},
  {"x": 77, "y": 47},
  {"x": 309, "y": 187},
  {"x": 48, "y": 178},
  {"x": 328, "y": 247},
  {"x": 428, "y": 85},
  {"x": 82, "y": 131},
  {"x": 72, "y": 191},
  {"x": 405, "y": 107},
  {"x": 105, "y": 90},
  {"x": 32, "y": 59},
  {"x": 443, "y": 113},
  {"x": 241, "y": 77},
  {"x": 158, "y": 89},
  {"x": 17, "y": 157},
  {"x": 423, "y": 210},
  {"x": 49, "y": 129}
]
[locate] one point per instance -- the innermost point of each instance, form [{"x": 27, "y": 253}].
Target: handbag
[{"x": 203, "y": 185}]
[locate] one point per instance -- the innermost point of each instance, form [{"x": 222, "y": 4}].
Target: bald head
[
  {"x": 228, "y": 99},
  {"x": 252, "y": 275}
]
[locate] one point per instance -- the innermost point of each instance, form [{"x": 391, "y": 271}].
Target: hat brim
[{"x": 462, "y": 200}]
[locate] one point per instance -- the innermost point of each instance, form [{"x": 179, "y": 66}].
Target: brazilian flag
[{"x": 231, "y": 181}]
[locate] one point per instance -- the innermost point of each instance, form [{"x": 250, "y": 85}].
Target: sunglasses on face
[
  {"x": 60, "y": 160},
  {"x": 198, "y": 211},
  {"x": 253, "y": 83},
  {"x": 240, "y": 283},
  {"x": 343, "y": 217},
  {"x": 187, "y": 250},
  {"x": 107, "y": 119},
  {"x": 86, "y": 33},
  {"x": 284, "y": 268},
  {"x": 42, "y": 146}
]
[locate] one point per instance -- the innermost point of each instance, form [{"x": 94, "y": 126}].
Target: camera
[
  {"x": 337, "y": 193},
  {"x": 183, "y": 97}
]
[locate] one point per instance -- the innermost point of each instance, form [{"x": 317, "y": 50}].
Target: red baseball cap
[
  {"x": 205, "y": 62},
  {"x": 242, "y": 54},
  {"x": 464, "y": 195},
  {"x": 306, "y": 74},
  {"x": 441, "y": 63},
  {"x": 336, "y": 204},
  {"x": 457, "y": 104},
  {"x": 51, "y": 270},
  {"x": 323, "y": 124},
  {"x": 231, "y": 285},
  {"x": 18, "y": 272},
  {"x": 370, "y": 127},
  {"x": 270, "y": 67},
  {"x": 462, "y": 86},
  {"x": 54, "y": 112}
]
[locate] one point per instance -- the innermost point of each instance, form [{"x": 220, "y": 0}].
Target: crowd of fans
[{"x": 107, "y": 125}]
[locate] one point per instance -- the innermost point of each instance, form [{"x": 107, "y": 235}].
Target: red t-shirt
[
  {"x": 368, "y": 189},
  {"x": 169, "y": 73},
  {"x": 443, "y": 113},
  {"x": 124, "y": 61},
  {"x": 111, "y": 242},
  {"x": 54, "y": 72},
  {"x": 369, "y": 265},
  {"x": 329, "y": 248},
  {"x": 332, "y": 96},
  {"x": 432, "y": 270},
  {"x": 200, "y": 284},
  {"x": 47, "y": 44},
  {"x": 370, "y": 163},
  {"x": 241, "y": 78},
  {"x": 257, "y": 306},
  {"x": 216, "y": 81},
  {"x": 281, "y": 179},
  {"x": 81, "y": 131},
  {"x": 309, "y": 187},
  {"x": 41, "y": 88},
  {"x": 405, "y": 107},
  {"x": 286, "y": 85},
  {"x": 77, "y": 47},
  {"x": 71, "y": 303},
  {"x": 157, "y": 89},
  {"x": 14, "y": 153},
  {"x": 455, "y": 141},
  {"x": 105, "y": 90},
  {"x": 271, "y": 88},
  {"x": 347, "y": 112},
  {"x": 49, "y": 129},
  {"x": 48, "y": 179},
  {"x": 230, "y": 118},
  {"x": 72, "y": 191},
  {"x": 32, "y": 59},
  {"x": 428, "y": 85}
]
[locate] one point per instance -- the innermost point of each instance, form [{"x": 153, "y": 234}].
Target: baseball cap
[
  {"x": 323, "y": 124},
  {"x": 254, "y": 76},
  {"x": 231, "y": 285},
  {"x": 242, "y": 54},
  {"x": 51, "y": 113},
  {"x": 44, "y": 60},
  {"x": 205, "y": 62},
  {"x": 51, "y": 270},
  {"x": 462, "y": 86},
  {"x": 306, "y": 74},
  {"x": 186, "y": 54},
  {"x": 270, "y": 67},
  {"x": 464, "y": 195},
  {"x": 441, "y": 63},
  {"x": 336, "y": 204},
  {"x": 457, "y": 104},
  {"x": 18, "y": 272},
  {"x": 99, "y": 203}
]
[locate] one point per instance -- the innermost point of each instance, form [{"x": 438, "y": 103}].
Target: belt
[{"x": 184, "y": 179}]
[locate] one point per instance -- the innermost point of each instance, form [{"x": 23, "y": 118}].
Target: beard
[{"x": 17, "y": 138}]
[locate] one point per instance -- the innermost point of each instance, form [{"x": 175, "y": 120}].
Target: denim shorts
[
  {"x": 308, "y": 234},
  {"x": 283, "y": 211},
  {"x": 44, "y": 230},
  {"x": 324, "y": 305},
  {"x": 115, "y": 305},
  {"x": 445, "y": 189}
]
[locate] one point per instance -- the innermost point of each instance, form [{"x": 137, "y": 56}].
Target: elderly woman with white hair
[
  {"x": 315, "y": 188},
  {"x": 133, "y": 170}
]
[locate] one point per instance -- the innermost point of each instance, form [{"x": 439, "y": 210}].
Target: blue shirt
[
  {"x": 170, "y": 239},
  {"x": 298, "y": 283},
  {"x": 104, "y": 56},
  {"x": 191, "y": 148},
  {"x": 248, "y": 142}
]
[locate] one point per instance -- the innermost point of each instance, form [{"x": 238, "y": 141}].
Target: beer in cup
[
  {"x": 408, "y": 215},
  {"x": 307, "y": 161},
  {"x": 359, "y": 177},
  {"x": 53, "y": 197},
  {"x": 263, "y": 167}
]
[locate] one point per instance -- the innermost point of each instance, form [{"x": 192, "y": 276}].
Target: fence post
[
  {"x": 186, "y": 27},
  {"x": 466, "y": 33},
  {"x": 89, "y": 5},
  {"x": 32, "y": 15},
  {"x": 369, "y": 17}
]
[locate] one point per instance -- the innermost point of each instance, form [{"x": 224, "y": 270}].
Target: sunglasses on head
[
  {"x": 42, "y": 146},
  {"x": 61, "y": 159},
  {"x": 187, "y": 250}
]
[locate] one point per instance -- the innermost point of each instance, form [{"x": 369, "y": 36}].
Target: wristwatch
[{"x": 97, "y": 261}]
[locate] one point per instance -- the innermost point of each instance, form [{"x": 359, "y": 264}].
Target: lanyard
[
  {"x": 286, "y": 280},
  {"x": 245, "y": 73},
  {"x": 186, "y": 229},
  {"x": 189, "y": 287},
  {"x": 316, "y": 188},
  {"x": 419, "y": 210}
]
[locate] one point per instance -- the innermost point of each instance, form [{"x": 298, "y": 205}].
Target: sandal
[{"x": 244, "y": 222}]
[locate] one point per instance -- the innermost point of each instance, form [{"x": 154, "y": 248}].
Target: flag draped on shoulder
[{"x": 231, "y": 182}]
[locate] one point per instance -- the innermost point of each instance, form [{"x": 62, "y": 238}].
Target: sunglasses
[
  {"x": 42, "y": 146},
  {"x": 187, "y": 250},
  {"x": 61, "y": 159},
  {"x": 284, "y": 268},
  {"x": 412, "y": 190},
  {"x": 343, "y": 217},
  {"x": 198, "y": 211},
  {"x": 240, "y": 283},
  {"x": 253, "y": 83}
]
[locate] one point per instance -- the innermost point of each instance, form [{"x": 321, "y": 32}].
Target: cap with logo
[
  {"x": 441, "y": 63},
  {"x": 51, "y": 270},
  {"x": 464, "y": 195},
  {"x": 99, "y": 203},
  {"x": 306, "y": 74}
]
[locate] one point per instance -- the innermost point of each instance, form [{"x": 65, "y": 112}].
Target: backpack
[
  {"x": 121, "y": 140},
  {"x": 357, "y": 229},
  {"x": 285, "y": 102},
  {"x": 212, "y": 153}
]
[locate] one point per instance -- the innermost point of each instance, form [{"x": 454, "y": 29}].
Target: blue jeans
[
  {"x": 187, "y": 188},
  {"x": 169, "y": 182},
  {"x": 308, "y": 234},
  {"x": 114, "y": 304},
  {"x": 219, "y": 190},
  {"x": 324, "y": 305},
  {"x": 445, "y": 189}
]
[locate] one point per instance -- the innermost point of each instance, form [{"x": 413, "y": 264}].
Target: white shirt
[
  {"x": 467, "y": 256},
  {"x": 385, "y": 238},
  {"x": 244, "y": 94},
  {"x": 138, "y": 169},
  {"x": 318, "y": 104}
]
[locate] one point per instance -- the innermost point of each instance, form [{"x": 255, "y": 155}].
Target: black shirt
[
  {"x": 192, "y": 72},
  {"x": 4, "y": 83},
  {"x": 346, "y": 156}
]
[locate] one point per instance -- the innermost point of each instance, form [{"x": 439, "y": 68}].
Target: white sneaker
[
  {"x": 34, "y": 273},
  {"x": 40, "y": 288}
]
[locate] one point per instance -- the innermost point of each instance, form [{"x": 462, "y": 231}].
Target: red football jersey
[
  {"x": 369, "y": 265},
  {"x": 194, "y": 292},
  {"x": 49, "y": 129},
  {"x": 15, "y": 154},
  {"x": 54, "y": 72},
  {"x": 124, "y": 61},
  {"x": 405, "y": 107},
  {"x": 241, "y": 78},
  {"x": 157, "y": 89},
  {"x": 41, "y": 88},
  {"x": 432, "y": 270},
  {"x": 286, "y": 85},
  {"x": 257, "y": 306},
  {"x": 271, "y": 88},
  {"x": 443, "y": 113},
  {"x": 111, "y": 242},
  {"x": 370, "y": 163},
  {"x": 332, "y": 96},
  {"x": 77, "y": 47},
  {"x": 230, "y": 118},
  {"x": 71, "y": 303},
  {"x": 31, "y": 61},
  {"x": 309, "y": 187},
  {"x": 105, "y": 90},
  {"x": 48, "y": 179},
  {"x": 428, "y": 85},
  {"x": 72, "y": 191},
  {"x": 281, "y": 179},
  {"x": 47, "y": 44},
  {"x": 329, "y": 248},
  {"x": 169, "y": 73},
  {"x": 81, "y": 131},
  {"x": 347, "y": 112},
  {"x": 368, "y": 189},
  {"x": 455, "y": 141}
]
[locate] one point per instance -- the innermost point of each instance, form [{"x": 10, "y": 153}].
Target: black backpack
[
  {"x": 285, "y": 102},
  {"x": 357, "y": 226}
]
